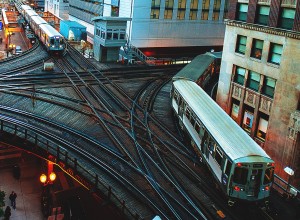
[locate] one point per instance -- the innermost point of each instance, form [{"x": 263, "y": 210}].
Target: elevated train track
[{"x": 109, "y": 131}]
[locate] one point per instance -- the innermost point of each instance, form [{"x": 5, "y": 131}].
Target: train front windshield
[{"x": 56, "y": 42}]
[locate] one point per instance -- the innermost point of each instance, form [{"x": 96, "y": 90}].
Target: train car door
[{"x": 254, "y": 183}]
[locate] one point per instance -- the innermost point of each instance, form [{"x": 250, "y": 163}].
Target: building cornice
[{"x": 265, "y": 29}]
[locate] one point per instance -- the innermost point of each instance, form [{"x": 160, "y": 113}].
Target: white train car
[
  {"x": 35, "y": 23},
  {"x": 49, "y": 36},
  {"x": 241, "y": 167}
]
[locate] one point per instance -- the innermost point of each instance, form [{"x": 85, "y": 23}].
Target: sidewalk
[
  {"x": 28, "y": 189},
  {"x": 17, "y": 39}
]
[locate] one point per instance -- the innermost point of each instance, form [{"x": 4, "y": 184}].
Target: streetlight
[{"x": 44, "y": 178}]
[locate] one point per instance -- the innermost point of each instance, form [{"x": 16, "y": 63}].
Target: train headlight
[{"x": 52, "y": 46}]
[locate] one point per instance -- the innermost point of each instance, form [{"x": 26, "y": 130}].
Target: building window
[
  {"x": 226, "y": 9},
  {"x": 235, "y": 110},
  {"x": 262, "y": 16},
  {"x": 268, "y": 88},
  {"x": 240, "y": 75},
  {"x": 155, "y": 8},
  {"x": 275, "y": 53},
  {"x": 169, "y": 4},
  {"x": 253, "y": 80},
  {"x": 248, "y": 121},
  {"x": 205, "y": 9},
  {"x": 241, "y": 44},
  {"x": 257, "y": 47},
  {"x": 181, "y": 9},
  {"x": 242, "y": 12},
  {"x": 193, "y": 9},
  {"x": 262, "y": 127},
  {"x": 286, "y": 20},
  {"x": 216, "y": 9}
]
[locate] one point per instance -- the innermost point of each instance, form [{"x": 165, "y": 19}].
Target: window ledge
[
  {"x": 239, "y": 54},
  {"x": 273, "y": 65},
  {"x": 255, "y": 59}
]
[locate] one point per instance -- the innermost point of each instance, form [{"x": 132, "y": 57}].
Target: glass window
[
  {"x": 257, "y": 47},
  {"x": 262, "y": 129},
  {"x": 180, "y": 14},
  {"x": 219, "y": 156},
  {"x": 247, "y": 121},
  {"x": 193, "y": 9},
  {"x": 235, "y": 111},
  {"x": 181, "y": 9},
  {"x": 155, "y": 7},
  {"x": 269, "y": 175},
  {"x": 188, "y": 113},
  {"x": 240, "y": 175},
  {"x": 108, "y": 35},
  {"x": 226, "y": 9},
  {"x": 275, "y": 53},
  {"x": 215, "y": 15},
  {"x": 197, "y": 127},
  {"x": 269, "y": 87},
  {"x": 253, "y": 80},
  {"x": 240, "y": 75},
  {"x": 286, "y": 19},
  {"x": 192, "y": 120},
  {"x": 242, "y": 12},
  {"x": 204, "y": 14},
  {"x": 262, "y": 16},
  {"x": 241, "y": 44},
  {"x": 228, "y": 168},
  {"x": 205, "y": 9},
  {"x": 194, "y": 4},
  {"x": 169, "y": 4}
]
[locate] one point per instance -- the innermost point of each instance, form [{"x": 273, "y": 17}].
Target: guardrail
[
  {"x": 285, "y": 188},
  {"x": 47, "y": 149}
]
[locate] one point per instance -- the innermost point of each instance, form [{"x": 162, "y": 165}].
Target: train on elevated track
[
  {"x": 241, "y": 167},
  {"x": 48, "y": 35}
]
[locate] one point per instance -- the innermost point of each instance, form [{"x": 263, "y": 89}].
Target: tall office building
[
  {"x": 159, "y": 26},
  {"x": 259, "y": 85}
]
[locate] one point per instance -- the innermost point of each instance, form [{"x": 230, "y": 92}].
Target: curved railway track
[{"x": 108, "y": 120}]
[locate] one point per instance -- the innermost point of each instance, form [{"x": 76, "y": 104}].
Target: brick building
[{"x": 259, "y": 85}]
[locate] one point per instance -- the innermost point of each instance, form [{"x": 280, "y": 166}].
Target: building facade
[
  {"x": 259, "y": 84},
  {"x": 157, "y": 24}
]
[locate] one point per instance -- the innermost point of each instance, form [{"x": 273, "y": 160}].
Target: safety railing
[{"x": 57, "y": 152}]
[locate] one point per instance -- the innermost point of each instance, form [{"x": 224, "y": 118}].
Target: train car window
[
  {"x": 219, "y": 156},
  {"x": 192, "y": 120},
  {"x": 211, "y": 146},
  {"x": 180, "y": 101},
  {"x": 51, "y": 41},
  {"x": 228, "y": 167},
  {"x": 240, "y": 175},
  {"x": 188, "y": 113},
  {"x": 204, "y": 141},
  {"x": 201, "y": 132},
  {"x": 269, "y": 175},
  {"x": 197, "y": 127}
]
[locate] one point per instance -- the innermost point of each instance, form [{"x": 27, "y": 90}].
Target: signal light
[
  {"x": 237, "y": 188},
  {"x": 239, "y": 164}
]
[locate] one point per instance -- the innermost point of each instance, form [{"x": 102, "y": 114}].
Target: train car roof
[
  {"x": 38, "y": 20},
  {"x": 26, "y": 7},
  {"x": 234, "y": 141},
  {"x": 31, "y": 13},
  {"x": 49, "y": 30},
  {"x": 195, "y": 69}
]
